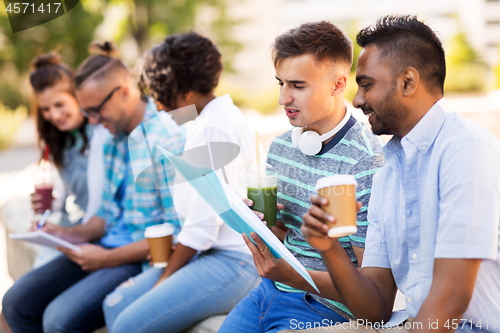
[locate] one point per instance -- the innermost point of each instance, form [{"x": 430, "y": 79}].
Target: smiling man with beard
[
  {"x": 312, "y": 63},
  {"x": 435, "y": 207}
]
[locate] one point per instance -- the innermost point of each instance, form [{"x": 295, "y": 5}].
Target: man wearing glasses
[{"x": 66, "y": 294}]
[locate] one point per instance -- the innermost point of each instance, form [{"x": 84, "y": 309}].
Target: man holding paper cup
[
  {"x": 312, "y": 65},
  {"x": 435, "y": 207}
]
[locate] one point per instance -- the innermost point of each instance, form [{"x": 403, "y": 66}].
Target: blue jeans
[
  {"x": 267, "y": 309},
  {"x": 212, "y": 283},
  {"x": 60, "y": 297}
]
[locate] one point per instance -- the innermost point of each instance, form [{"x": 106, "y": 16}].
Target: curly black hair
[{"x": 182, "y": 63}]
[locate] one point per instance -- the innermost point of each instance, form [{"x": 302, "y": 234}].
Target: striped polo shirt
[{"x": 356, "y": 152}]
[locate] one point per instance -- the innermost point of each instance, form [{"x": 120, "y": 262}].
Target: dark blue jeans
[
  {"x": 61, "y": 297},
  {"x": 267, "y": 309}
]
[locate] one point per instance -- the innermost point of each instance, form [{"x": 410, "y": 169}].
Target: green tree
[
  {"x": 71, "y": 33},
  {"x": 147, "y": 21},
  {"x": 466, "y": 71},
  {"x": 352, "y": 87},
  {"x": 497, "y": 72}
]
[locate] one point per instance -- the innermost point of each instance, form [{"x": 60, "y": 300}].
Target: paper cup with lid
[
  {"x": 160, "y": 243},
  {"x": 340, "y": 190}
]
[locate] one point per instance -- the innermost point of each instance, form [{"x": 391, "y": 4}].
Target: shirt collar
[
  {"x": 150, "y": 112},
  {"x": 422, "y": 135},
  {"x": 216, "y": 104}
]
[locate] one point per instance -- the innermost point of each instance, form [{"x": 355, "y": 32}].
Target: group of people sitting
[{"x": 429, "y": 200}]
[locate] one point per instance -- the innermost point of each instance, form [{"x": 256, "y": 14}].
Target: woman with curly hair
[{"x": 211, "y": 269}]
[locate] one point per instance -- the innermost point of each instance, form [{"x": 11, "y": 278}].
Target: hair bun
[
  {"x": 46, "y": 59},
  {"x": 107, "y": 49}
]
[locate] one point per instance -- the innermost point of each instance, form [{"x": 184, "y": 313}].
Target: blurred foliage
[
  {"x": 10, "y": 120},
  {"x": 150, "y": 21},
  {"x": 145, "y": 22},
  {"x": 70, "y": 34},
  {"x": 352, "y": 32},
  {"x": 352, "y": 88},
  {"x": 10, "y": 94},
  {"x": 465, "y": 71},
  {"x": 265, "y": 100},
  {"x": 497, "y": 73}
]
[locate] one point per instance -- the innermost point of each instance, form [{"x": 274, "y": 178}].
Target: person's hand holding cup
[
  {"x": 333, "y": 212},
  {"x": 41, "y": 199},
  {"x": 160, "y": 243}
]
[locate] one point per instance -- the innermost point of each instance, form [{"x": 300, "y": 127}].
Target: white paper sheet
[
  {"x": 43, "y": 238},
  {"x": 232, "y": 209}
]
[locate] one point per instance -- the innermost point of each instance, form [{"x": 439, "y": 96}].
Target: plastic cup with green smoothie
[{"x": 262, "y": 189}]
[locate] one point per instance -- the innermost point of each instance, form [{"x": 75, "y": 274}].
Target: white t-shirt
[
  {"x": 220, "y": 121},
  {"x": 95, "y": 171}
]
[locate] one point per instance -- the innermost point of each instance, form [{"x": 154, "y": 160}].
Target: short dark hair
[
  {"x": 182, "y": 63},
  {"x": 408, "y": 42},
  {"x": 104, "y": 58},
  {"x": 322, "y": 39}
]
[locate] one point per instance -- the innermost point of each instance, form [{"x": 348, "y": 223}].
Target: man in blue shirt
[
  {"x": 66, "y": 294},
  {"x": 435, "y": 206}
]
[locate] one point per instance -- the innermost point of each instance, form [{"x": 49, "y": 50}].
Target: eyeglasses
[{"x": 94, "y": 111}]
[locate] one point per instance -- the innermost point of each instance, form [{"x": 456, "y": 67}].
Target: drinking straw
[
  {"x": 46, "y": 153},
  {"x": 258, "y": 154},
  {"x": 257, "y": 147}
]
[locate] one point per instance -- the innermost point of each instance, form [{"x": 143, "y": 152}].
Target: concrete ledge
[
  {"x": 16, "y": 216},
  {"x": 209, "y": 325}
]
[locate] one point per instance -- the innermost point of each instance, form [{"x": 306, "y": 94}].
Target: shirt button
[
  {"x": 409, "y": 299},
  {"x": 414, "y": 256},
  {"x": 404, "y": 217},
  {"x": 424, "y": 147}
]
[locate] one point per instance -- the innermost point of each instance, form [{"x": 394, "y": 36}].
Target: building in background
[{"x": 263, "y": 20}]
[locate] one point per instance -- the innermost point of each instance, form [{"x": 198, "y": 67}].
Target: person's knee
[
  {"x": 55, "y": 319},
  {"x": 111, "y": 308},
  {"x": 120, "y": 325},
  {"x": 13, "y": 307}
]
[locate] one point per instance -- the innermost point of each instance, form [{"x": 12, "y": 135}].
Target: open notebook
[
  {"x": 232, "y": 210},
  {"x": 43, "y": 238}
]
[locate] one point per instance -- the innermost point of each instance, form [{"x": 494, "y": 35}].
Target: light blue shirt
[
  {"x": 438, "y": 196},
  {"x": 118, "y": 234}
]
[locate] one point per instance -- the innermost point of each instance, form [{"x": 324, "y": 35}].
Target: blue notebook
[{"x": 231, "y": 209}]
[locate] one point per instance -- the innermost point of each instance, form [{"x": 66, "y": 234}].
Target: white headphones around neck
[{"x": 310, "y": 142}]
